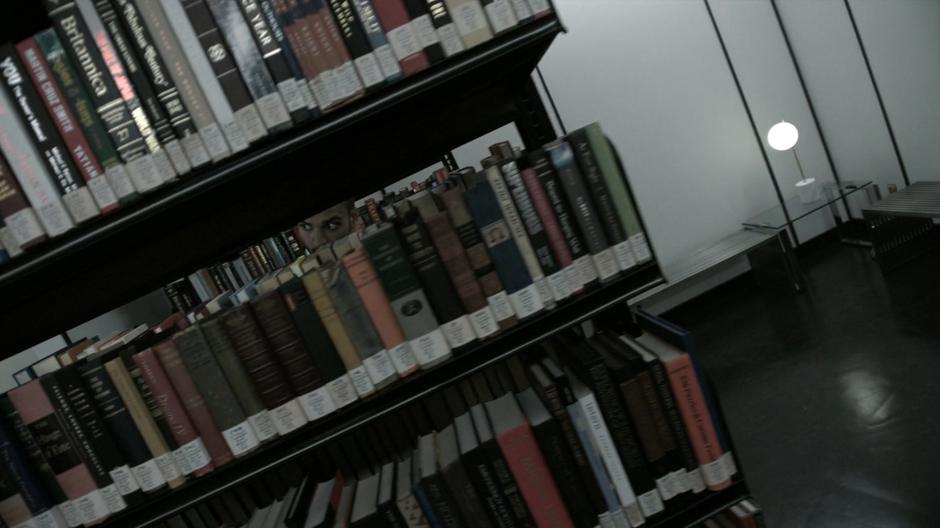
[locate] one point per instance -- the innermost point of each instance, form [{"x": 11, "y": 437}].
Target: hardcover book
[
  {"x": 471, "y": 21},
  {"x": 397, "y": 24},
  {"x": 443, "y": 25},
  {"x": 457, "y": 480},
  {"x": 349, "y": 82},
  {"x": 424, "y": 31},
  {"x": 481, "y": 473},
  {"x": 19, "y": 477},
  {"x": 360, "y": 50},
  {"x": 296, "y": 19},
  {"x": 290, "y": 55},
  {"x": 500, "y": 14},
  {"x": 19, "y": 218},
  {"x": 384, "y": 54},
  {"x": 430, "y": 484}
]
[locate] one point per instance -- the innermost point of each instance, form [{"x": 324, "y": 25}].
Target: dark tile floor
[{"x": 831, "y": 395}]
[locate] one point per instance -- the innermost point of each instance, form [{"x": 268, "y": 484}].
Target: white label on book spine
[
  {"x": 195, "y": 150},
  {"x": 539, "y": 6},
  {"x": 484, "y": 322},
  {"x": 696, "y": 482},
  {"x": 558, "y": 283},
  {"x": 214, "y": 141},
  {"x": 317, "y": 403},
  {"x": 102, "y": 192},
  {"x": 605, "y": 263},
  {"x": 450, "y": 39},
  {"x": 430, "y": 348},
  {"x": 119, "y": 180},
  {"x": 664, "y": 485},
  {"x": 163, "y": 165},
  {"x": 623, "y": 252},
  {"x": 321, "y": 91},
  {"x": 272, "y": 110},
  {"x": 240, "y": 439},
  {"x": 714, "y": 472},
  {"x": 72, "y": 518},
  {"x": 404, "y": 41},
  {"x": 424, "y": 30},
  {"x": 469, "y": 18},
  {"x": 80, "y": 204},
  {"x": 681, "y": 481},
  {"x": 148, "y": 475},
  {"x": 521, "y": 8},
  {"x": 526, "y": 301},
  {"x": 586, "y": 268},
  {"x": 24, "y": 226},
  {"x": 545, "y": 292},
  {"x": 168, "y": 467},
  {"x": 501, "y": 306},
  {"x": 342, "y": 391},
  {"x": 250, "y": 121},
  {"x": 387, "y": 61},
  {"x": 307, "y": 95},
  {"x": 380, "y": 368},
  {"x": 50, "y": 518},
  {"x": 605, "y": 520},
  {"x": 634, "y": 515},
  {"x": 180, "y": 458},
  {"x": 458, "y": 332},
  {"x": 91, "y": 507},
  {"x": 640, "y": 247},
  {"x": 124, "y": 480},
  {"x": 8, "y": 243},
  {"x": 234, "y": 136},
  {"x": 727, "y": 460},
  {"x": 361, "y": 382},
  {"x": 350, "y": 79},
  {"x": 650, "y": 502},
  {"x": 177, "y": 157},
  {"x": 369, "y": 70},
  {"x": 263, "y": 425},
  {"x": 288, "y": 417},
  {"x": 291, "y": 95},
  {"x": 403, "y": 359},
  {"x": 112, "y": 497},
  {"x": 144, "y": 174},
  {"x": 196, "y": 454},
  {"x": 574, "y": 277},
  {"x": 500, "y": 15}
]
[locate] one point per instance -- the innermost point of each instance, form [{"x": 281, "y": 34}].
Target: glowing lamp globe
[{"x": 782, "y": 136}]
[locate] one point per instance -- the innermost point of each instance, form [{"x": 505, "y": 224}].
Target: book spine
[
  {"x": 345, "y": 68},
  {"x": 268, "y": 376},
  {"x": 228, "y": 136},
  {"x": 194, "y": 402},
  {"x": 318, "y": 70},
  {"x": 504, "y": 478},
  {"x": 81, "y": 439},
  {"x": 170, "y": 157},
  {"x": 79, "y": 43},
  {"x": 314, "y": 14},
  {"x": 442, "y": 25},
  {"x": 241, "y": 43},
  {"x": 698, "y": 423},
  {"x": 553, "y": 232},
  {"x": 691, "y": 478},
  {"x": 440, "y": 501},
  {"x": 376, "y": 303},
  {"x": 143, "y": 420},
  {"x": 522, "y": 10},
  {"x": 478, "y": 257},
  {"x": 193, "y": 455},
  {"x": 461, "y": 274},
  {"x": 423, "y": 29},
  {"x": 215, "y": 390},
  {"x": 500, "y": 15},
  {"x": 601, "y": 196},
  {"x": 75, "y": 195},
  {"x": 68, "y": 128},
  {"x": 470, "y": 20},
  {"x": 483, "y": 479},
  {"x": 98, "y": 433},
  {"x": 523, "y": 295},
  {"x": 583, "y": 272},
  {"x": 619, "y": 190},
  {"x": 290, "y": 49},
  {"x": 401, "y": 35},
  {"x": 585, "y": 213},
  {"x": 440, "y": 291},
  {"x": 354, "y": 36},
  {"x": 163, "y": 170},
  {"x": 276, "y": 60},
  {"x": 13, "y": 508},
  {"x": 202, "y": 142},
  {"x": 30, "y": 170},
  {"x": 20, "y": 476},
  {"x": 145, "y": 465},
  {"x": 18, "y": 216},
  {"x": 238, "y": 378},
  {"x": 305, "y": 378},
  {"x": 53, "y": 438},
  {"x": 214, "y": 49},
  {"x": 540, "y": 8},
  {"x": 384, "y": 54},
  {"x": 556, "y": 276}
]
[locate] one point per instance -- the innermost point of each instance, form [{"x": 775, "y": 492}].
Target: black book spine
[
  {"x": 507, "y": 483},
  {"x": 33, "y": 451},
  {"x": 441, "y": 501},
  {"x": 219, "y": 279},
  {"x": 423, "y": 28},
  {"x": 274, "y": 58},
  {"x": 357, "y": 43},
  {"x": 663, "y": 390},
  {"x": 555, "y": 192},
  {"x": 127, "y": 357},
  {"x": 484, "y": 480},
  {"x": 444, "y": 25},
  {"x": 290, "y": 54}
]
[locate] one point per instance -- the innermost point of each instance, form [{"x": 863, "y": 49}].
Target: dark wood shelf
[
  {"x": 417, "y": 386},
  {"x": 212, "y": 213}
]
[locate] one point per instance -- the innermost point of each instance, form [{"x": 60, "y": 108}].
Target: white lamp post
[{"x": 783, "y": 136}]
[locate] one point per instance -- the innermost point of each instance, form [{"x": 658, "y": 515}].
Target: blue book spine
[
  {"x": 425, "y": 504},
  {"x": 21, "y": 474},
  {"x": 594, "y": 458},
  {"x": 388, "y": 63},
  {"x": 484, "y": 207}
]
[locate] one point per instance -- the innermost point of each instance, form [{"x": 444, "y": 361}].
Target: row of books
[
  {"x": 123, "y": 96},
  {"x": 744, "y": 514},
  {"x": 603, "y": 430}
]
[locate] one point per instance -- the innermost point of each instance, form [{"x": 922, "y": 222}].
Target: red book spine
[
  {"x": 455, "y": 261},
  {"x": 294, "y": 31},
  {"x": 173, "y": 410},
  {"x": 698, "y": 423},
  {"x": 556, "y": 239},
  {"x": 374, "y": 299},
  {"x": 193, "y": 402},
  {"x": 535, "y": 481},
  {"x": 396, "y": 23},
  {"x": 65, "y": 122}
]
